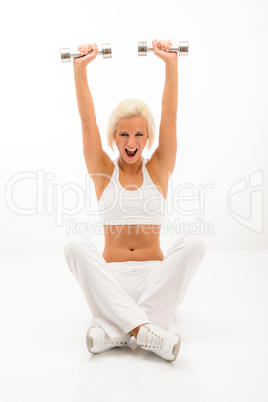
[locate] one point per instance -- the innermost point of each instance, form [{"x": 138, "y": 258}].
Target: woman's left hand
[{"x": 164, "y": 54}]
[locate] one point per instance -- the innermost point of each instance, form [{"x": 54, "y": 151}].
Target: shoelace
[{"x": 152, "y": 340}]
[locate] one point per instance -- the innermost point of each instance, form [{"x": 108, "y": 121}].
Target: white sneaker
[
  {"x": 157, "y": 340},
  {"x": 98, "y": 341}
]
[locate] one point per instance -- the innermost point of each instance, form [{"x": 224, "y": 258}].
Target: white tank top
[{"x": 143, "y": 206}]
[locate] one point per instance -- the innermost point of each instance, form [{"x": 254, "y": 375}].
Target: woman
[{"x": 132, "y": 288}]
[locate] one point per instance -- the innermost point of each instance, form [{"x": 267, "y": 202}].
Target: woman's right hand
[{"x": 89, "y": 53}]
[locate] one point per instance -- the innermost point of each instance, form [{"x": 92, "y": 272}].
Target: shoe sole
[
  {"x": 176, "y": 348},
  {"x": 89, "y": 341}
]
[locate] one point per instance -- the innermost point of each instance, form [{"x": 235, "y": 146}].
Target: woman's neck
[{"x": 130, "y": 168}]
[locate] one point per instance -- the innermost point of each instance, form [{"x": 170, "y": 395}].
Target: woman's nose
[{"x": 131, "y": 145}]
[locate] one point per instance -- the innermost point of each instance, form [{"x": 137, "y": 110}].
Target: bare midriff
[{"x": 132, "y": 243}]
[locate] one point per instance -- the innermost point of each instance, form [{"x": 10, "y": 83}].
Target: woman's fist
[
  {"x": 89, "y": 53},
  {"x": 163, "y": 53}
]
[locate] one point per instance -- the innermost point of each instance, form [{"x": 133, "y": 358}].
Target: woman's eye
[{"x": 127, "y": 134}]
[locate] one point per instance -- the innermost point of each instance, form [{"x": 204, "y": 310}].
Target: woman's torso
[{"x": 132, "y": 242}]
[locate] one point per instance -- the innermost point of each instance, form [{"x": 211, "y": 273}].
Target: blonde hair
[{"x": 131, "y": 108}]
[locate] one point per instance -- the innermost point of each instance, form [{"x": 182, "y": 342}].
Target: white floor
[{"x": 222, "y": 322}]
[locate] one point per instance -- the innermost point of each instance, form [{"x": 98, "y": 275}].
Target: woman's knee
[
  {"x": 70, "y": 249},
  {"x": 73, "y": 247},
  {"x": 189, "y": 244},
  {"x": 196, "y": 245}
]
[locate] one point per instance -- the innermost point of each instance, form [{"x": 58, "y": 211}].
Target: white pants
[{"x": 124, "y": 295}]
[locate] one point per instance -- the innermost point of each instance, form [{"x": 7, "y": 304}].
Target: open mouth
[{"x": 131, "y": 153}]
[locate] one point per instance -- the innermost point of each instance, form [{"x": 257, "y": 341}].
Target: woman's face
[{"x": 131, "y": 134}]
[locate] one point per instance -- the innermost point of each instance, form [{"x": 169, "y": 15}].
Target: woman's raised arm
[
  {"x": 92, "y": 146},
  {"x": 167, "y": 148}
]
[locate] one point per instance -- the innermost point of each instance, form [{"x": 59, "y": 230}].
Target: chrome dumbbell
[
  {"x": 66, "y": 54},
  {"x": 182, "y": 49}
]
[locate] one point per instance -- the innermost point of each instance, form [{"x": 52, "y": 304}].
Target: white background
[
  {"x": 222, "y": 131},
  {"x": 222, "y": 113}
]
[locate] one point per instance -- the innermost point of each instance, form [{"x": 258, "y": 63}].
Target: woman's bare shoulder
[{"x": 102, "y": 174}]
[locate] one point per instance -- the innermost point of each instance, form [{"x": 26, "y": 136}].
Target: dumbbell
[
  {"x": 66, "y": 54},
  {"x": 182, "y": 49}
]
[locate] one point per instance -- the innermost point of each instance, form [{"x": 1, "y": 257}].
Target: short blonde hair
[{"x": 131, "y": 108}]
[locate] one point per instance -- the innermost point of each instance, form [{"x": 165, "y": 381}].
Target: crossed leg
[
  {"x": 113, "y": 308},
  {"x": 169, "y": 282}
]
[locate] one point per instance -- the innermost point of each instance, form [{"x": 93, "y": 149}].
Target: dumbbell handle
[
  {"x": 182, "y": 48},
  {"x": 67, "y": 54}
]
